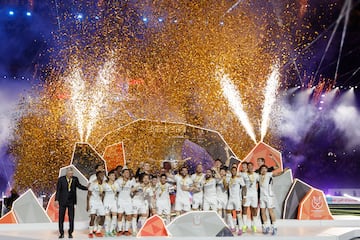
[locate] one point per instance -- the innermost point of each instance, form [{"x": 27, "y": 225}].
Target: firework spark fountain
[
  {"x": 77, "y": 99},
  {"x": 86, "y": 104},
  {"x": 233, "y": 97},
  {"x": 270, "y": 97},
  {"x": 101, "y": 90},
  {"x": 175, "y": 58}
]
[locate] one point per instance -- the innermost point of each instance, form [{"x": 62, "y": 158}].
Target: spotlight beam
[
  {"x": 341, "y": 16},
  {"x": 347, "y": 15}
]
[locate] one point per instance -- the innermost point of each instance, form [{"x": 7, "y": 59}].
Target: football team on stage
[{"x": 121, "y": 202}]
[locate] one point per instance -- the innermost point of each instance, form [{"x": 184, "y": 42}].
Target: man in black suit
[{"x": 66, "y": 198}]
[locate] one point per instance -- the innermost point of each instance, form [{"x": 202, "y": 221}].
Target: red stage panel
[
  {"x": 314, "y": 206},
  {"x": 53, "y": 212},
  {"x": 154, "y": 226},
  {"x": 262, "y": 150},
  {"x": 114, "y": 155},
  {"x": 8, "y": 218}
]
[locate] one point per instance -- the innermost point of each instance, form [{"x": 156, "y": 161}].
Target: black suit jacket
[{"x": 63, "y": 195}]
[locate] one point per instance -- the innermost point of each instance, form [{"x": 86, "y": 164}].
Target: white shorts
[
  {"x": 140, "y": 207},
  {"x": 267, "y": 202},
  {"x": 210, "y": 203},
  {"x": 125, "y": 207},
  {"x": 222, "y": 202},
  {"x": 234, "y": 204},
  {"x": 97, "y": 208},
  {"x": 182, "y": 205},
  {"x": 110, "y": 206},
  {"x": 197, "y": 200},
  {"x": 252, "y": 201},
  {"x": 163, "y": 207}
]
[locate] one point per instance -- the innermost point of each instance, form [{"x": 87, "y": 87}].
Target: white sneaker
[{"x": 274, "y": 231}]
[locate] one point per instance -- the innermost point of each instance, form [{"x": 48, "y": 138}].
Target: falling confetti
[{"x": 153, "y": 60}]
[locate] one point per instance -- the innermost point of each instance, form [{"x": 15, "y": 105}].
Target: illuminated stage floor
[{"x": 342, "y": 228}]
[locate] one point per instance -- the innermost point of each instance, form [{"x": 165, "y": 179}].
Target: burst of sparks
[
  {"x": 272, "y": 85},
  {"x": 175, "y": 63},
  {"x": 101, "y": 90},
  {"x": 78, "y": 101},
  {"x": 233, "y": 97}
]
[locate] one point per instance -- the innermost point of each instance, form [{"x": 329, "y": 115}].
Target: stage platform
[{"x": 342, "y": 228}]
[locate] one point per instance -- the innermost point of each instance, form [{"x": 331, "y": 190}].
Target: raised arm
[
  {"x": 227, "y": 161},
  {"x": 277, "y": 165},
  {"x": 279, "y": 173},
  {"x": 217, "y": 174}
]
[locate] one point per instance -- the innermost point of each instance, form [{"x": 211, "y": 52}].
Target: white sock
[
  {"x": 240, "y": 220},
  {"x": 230, "y": 220},
  {"x": 127, "y": 225},
  {"x": 96, "y": 223},
  {"x": 133, "y": 224},
  {"x": 120, "y": 226},
  {"x": 91, "y": 229},
  {"x": 99, "y": 229},
  {"x": 244, "y": 216},
  {"x": 254, "y": 221},
  {"x": 113, "y": 223},
  {"x": 267, "y": 224},
  {"x": 107, "y": 223}
]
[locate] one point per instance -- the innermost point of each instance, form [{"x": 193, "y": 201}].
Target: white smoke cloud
[
  {"x": 294, "y": 120},
  {"x": 346, "y": 118},
  {"x": 6, "y": 123},
  {"x": 9, "y": 98},
  {"x": 10, "y": 93}
]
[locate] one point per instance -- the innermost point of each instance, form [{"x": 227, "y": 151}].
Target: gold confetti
[{"x": 164, "y": 69}]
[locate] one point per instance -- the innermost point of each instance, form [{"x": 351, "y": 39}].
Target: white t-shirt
[
  {"x": 235, "y": 185},
  {"x": 125, "y": 188},
  {"x": 250, "y": 182},
  {"x": 139, "y": 194},
  {"x": 265, "y": 183},
  {"x": 221, "y": 192},
  {"x": 198, "y": 181},
  {"x": 148, "y": 193},
  {"x": 210, "y": 188},
  {"x": 96, "y": 189},
  {"x": 180, "y": 181},
  {"x": 110, "y": 191},
  {"x": 162, "y": 192},
  {"x": 143, "y": 192}
]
